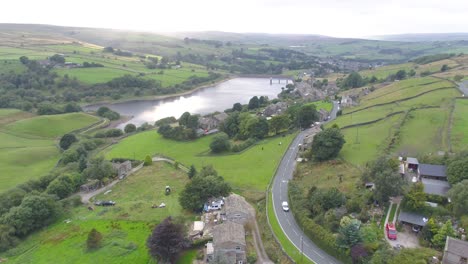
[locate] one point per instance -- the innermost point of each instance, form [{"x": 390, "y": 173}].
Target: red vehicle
[{"x": 391, "y": 231}]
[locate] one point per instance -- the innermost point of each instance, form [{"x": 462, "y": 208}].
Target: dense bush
[
  {"x": 244, "y": 145},
  {"x": 113, "y": 132},
  {"x": 107, "y": 113},
  {"x": 220, "y": 143}
]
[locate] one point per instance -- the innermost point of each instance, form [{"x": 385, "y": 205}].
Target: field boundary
[{"x": 400, "y": 100}]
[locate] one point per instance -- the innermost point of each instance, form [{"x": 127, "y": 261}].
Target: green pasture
[
  {"x": 135, "y": 195},
  {"x": 364, "y": 143},
  {"x": 384, "y": 71},
  {"x": 250, "y": 170},
  {"x": 323, "y": 105},
  {"x": 459, "y": 134},
  {"x": 425, "y": 131},
  {"x": 50, "y": 126}
]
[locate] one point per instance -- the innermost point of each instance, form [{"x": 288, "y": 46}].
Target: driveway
[
  {"x": 280, "y": 193},
  {"x": 406, "y": 237}
]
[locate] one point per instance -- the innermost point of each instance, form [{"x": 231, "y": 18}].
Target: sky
[{"x": 337, "y": 18}]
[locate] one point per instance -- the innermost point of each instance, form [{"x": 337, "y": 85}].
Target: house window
[
  {"x": 463, "y": 260},
  {"x": 240, "y": 262},
  {"x": 238, "y": 248}
]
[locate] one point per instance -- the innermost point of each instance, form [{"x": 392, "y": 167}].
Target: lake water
[{"x": 211, "y": 99}]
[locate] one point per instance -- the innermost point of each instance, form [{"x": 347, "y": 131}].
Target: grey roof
[
  {"x": 228, "y": 232},
  {"x": 457, "y": 247},
  {"x": 235, "y": 203},
  {"x": 412, "y": 160},
  {"x": 432, "y": 170},
  {"x": 435, "y": 186},
  {"x": 411, "y": 218}
]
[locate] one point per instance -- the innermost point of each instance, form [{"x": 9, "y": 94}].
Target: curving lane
[{"x": 280, "y": 193}]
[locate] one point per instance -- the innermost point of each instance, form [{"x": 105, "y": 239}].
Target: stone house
[
  {"x": 236, "y": 209},
  {"x": 91, "y": 185},
  {"x": 455, "y": 251},
  {"x": 229, "y": 243},
  {"x": 122, "y": 168},
  {"x": 211, "y": 122},
  {"x": 275, "y": 109},
  {"x": 323, "y": 115}
]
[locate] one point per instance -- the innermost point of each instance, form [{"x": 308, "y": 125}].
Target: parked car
[
  {"x": 285, "y": 206},
  {"x": 391, "y": 231},
  {"x": 104, "y": 203}
]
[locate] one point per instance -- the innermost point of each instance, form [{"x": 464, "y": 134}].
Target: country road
[{"x": 280, "y": 193}]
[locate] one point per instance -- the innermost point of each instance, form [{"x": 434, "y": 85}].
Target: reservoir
[{"x": 219, "y": 97}]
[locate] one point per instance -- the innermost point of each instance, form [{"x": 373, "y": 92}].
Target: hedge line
[{"x": 318, "y": 234}]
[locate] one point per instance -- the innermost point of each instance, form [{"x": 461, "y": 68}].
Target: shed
[
  {"x": 435, "y": 186},
  {"x": 412, "y": 163},
  {"x": 455, "y": 251},
  {"x": 435, "y": 172},
  {"x": 209, "y": 251},
  {"x": 412, "y": 218}
]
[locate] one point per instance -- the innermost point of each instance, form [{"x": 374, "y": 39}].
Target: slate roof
[
  {"x": 411, "y": 218},
  {"x": 457, "y": 247},
  {"x": 435, "y": 186},
  {"x": 410, "y": 160},
  {"x": 432, "y": 170},
  {"x": 228, "y": 232}
]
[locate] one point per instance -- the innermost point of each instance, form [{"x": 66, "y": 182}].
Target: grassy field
[
  {"x": 323, "y": 105},
  {"x": 459, "y": 135},
  {"x": 384, "y": 71},
  {"x": 425, "y": 131},
  {"x": 248, "y": 171},
  {"x": 365, "y": 143},
  {"x": 27, "y": 145},
  {"x": 326, "y": 175},
  {"x": 50, "y": 126},
  {"x": 125, "y": 227}
]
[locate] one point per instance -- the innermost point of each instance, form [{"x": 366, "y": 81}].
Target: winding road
[{"x": 280, "y": 193}]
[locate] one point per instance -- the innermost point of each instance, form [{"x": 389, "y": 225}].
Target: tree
[
  {"x": 412, "y": 73},
  {"x": 459, "y": 196},
  {"x": 322, "y": 200},
  {"x": 257, "y": 128},
  {"x": 349, "y": 235},
  {"x": 353, "y": 80},
  {"x": 62, "y": 186},
  {"x": 57, "y": 58},
  {"x": 98, "y": 169},
  {"x": 327, "y": 144},
  {"x": 207, "y": 171},
  {"x": 192, "y": 122},
  {"x": 278, "y": 123},
  {"x": 237, "y": 107},
  {"x": 220, "y": 143},
  {"x": 7, "y": 237},
  {"x": 192, "y": 172},
  {"x": 184, "y": 119},
  {"x": 200, "y": 189},
  {"x": 94, "y": 239},
  {"x": 387, "y": 183},
  {"x": 400, "y": 75},
  {"x": 230, "y": 125},
  {"x": 444, "y": 68},
  {"x": 67, "y": 140},
  {"x": 430, "y": 229},
  {"x": 307, "y": 115},
  {"x": 24, "y": 60},
  {"x": 148, "y": 160},
  {"x": 358, "y": 253},
  {"x": 445, "y": 230},
  {"x": 254, "y": 103},
  {"x": 457, "y": 170},
  {"x": 129, "y": 128},
  {"x": 166, "y": 241},
  {"x": 414, "y": 199}
]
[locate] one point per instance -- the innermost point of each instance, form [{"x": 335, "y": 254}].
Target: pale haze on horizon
[{"x": 338, "y": 18}]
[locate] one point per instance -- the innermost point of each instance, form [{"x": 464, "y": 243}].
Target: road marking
[
  {"x": 287, "y": 219},
  {"x": 294, "y": 230},
  {"x": 318, "y": 254}
]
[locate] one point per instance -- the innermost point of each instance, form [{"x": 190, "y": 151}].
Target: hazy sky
[{"x": 340, "y": 18}]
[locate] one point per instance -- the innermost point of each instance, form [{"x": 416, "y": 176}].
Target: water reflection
[{"x": 211, "y": 99}]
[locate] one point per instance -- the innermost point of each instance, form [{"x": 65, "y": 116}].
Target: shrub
[
  {"x": 129, "y": 128},
  {"x": 148, "y": 160},
  {"x": 94, "y": 239}
]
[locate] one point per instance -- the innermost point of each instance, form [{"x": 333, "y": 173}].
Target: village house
[
  {"x": 412, "y": 164},
  {"x": 122, "y": 168},
  {"x": 236, "y": 209},
  {"x": 212, "y": 122},
  {"x": 455, "y": 251},
  {"x": 229, "y": 243},
  {"x": 275, "y": 109},
  {"x": 435, "y": 187},
  {"x": 323, "y": 115}
]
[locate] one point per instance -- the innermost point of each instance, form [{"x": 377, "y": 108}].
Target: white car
[{"x": 285, "y": 206}]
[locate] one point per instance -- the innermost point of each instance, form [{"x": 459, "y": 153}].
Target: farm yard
[{"x": 125, "y": 226}]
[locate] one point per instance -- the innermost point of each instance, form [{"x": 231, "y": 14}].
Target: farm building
[
  {"x": 122, "y": 168},
  {"x": 412, "y": 164},
  {"x": 229, "y": 243},
  {"x": 435, "y": 172},
  {"x": 435, "y": 187},
  {"x": 412, "y": 219},
  {"x": 236, "y": 209},
  {"x": 455, "y": 251}
]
